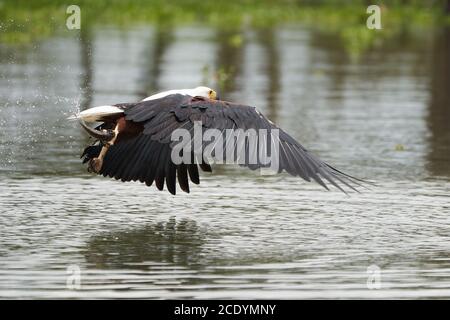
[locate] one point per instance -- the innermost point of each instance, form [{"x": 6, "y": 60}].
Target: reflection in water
[
  {"x": 438, "y": 119},
  {"x": 336, "y": 58},
  {"x": 86, "y": 75},
  {"x": 267, "y": 38},
  {"x": 87, "y": 67},
  {"x": 229, "y": 60},
  {"x": 178, "y": 242},
  {"x": 163, "y": 37}
]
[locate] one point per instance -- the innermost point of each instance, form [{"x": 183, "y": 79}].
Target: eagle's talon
[{"x": 95, "y": 165}]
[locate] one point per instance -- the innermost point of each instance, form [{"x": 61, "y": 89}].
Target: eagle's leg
[{"x": 95, "y": 164}]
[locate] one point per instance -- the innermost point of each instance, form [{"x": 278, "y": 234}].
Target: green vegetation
[{"x": 22, "y": 21}]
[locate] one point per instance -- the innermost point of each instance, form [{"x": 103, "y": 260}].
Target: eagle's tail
[{"x": 100, "y": 113}]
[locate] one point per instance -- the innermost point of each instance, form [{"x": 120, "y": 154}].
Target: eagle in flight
[{"x": 135, "y": 141}]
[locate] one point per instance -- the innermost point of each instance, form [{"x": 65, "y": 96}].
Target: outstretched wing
[
  {"x": 147, "y": 157},
  {"x": 141, "y": 158}
]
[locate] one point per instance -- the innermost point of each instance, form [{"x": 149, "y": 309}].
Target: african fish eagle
[{"x": 133, "y": 141}]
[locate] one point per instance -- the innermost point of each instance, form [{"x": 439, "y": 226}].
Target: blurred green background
[{"x": 23, "y": 21}]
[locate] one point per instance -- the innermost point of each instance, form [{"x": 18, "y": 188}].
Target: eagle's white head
[
  {"x": 204, "y": 92},
  {"x": 195, "y": 92}
]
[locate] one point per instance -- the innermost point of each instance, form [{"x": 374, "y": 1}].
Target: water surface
[{"x": 383, "y": 117}]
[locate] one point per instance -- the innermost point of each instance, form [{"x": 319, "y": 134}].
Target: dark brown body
[{"x": 126, "y": 129}]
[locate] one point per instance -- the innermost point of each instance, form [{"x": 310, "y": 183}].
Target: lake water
[{"x": 384, "y": 117}]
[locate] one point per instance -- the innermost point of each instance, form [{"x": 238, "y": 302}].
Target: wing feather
[
  {"x": 193, "y": 173},
  {"x": 182, "y": 176},
  {"x": 171, "y": 171},
  {"x": 147, "y": 157}
]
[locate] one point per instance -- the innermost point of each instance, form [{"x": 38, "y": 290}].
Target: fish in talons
[
  {"x": 106, "y": 138},
  {"x": 103, "y": 135}
]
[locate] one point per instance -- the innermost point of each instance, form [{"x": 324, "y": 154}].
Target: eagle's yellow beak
[{"x": 212, "y": 95}]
